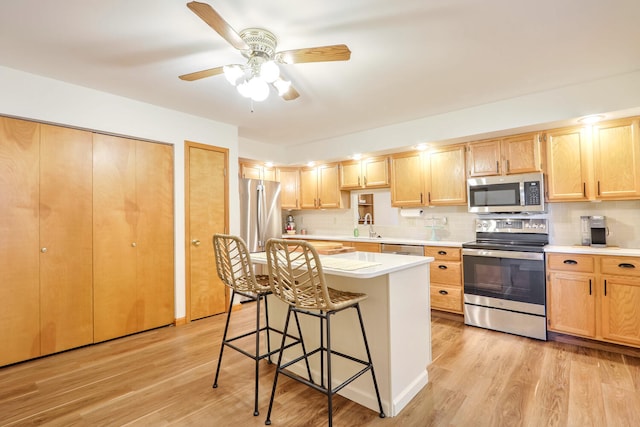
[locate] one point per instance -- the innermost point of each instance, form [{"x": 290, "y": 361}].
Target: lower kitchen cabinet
[
  {"x": 594, "y": 296},
  {"x": 446, "y": 278},
  {"x": 363, "y": 246}
]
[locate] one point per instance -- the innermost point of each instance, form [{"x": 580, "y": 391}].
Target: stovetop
[{"x": 522, "y": 234}]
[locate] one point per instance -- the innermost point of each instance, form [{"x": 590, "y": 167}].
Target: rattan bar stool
[
  {"x": 235, "y": 269},
  {"x": 297, "y": 279}
]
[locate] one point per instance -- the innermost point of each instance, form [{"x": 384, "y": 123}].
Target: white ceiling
[{"x": 410, "y": 58}]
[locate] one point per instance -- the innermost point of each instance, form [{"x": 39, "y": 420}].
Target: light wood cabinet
[
  {"x": 505, "y": 156},
  {"x": 363, "y": 246},
  {"x": 594, "y": 296},
  {"x": 133, "y": 237},
  {"x": 446, "y": 278},
  {"x": 616, "y": 152},
  {"x": 368, "y": 173},
  {"x": 319, "y": 188},
  {"x": 289, "y": 179},
  {"x": 407, "y": 180},
  {"x": 252, "y": 170},
  {"x": 446, "y": 180},
  {"x": 568, "y": 158}
]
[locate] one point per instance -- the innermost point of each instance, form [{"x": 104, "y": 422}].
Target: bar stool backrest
[
  {"x": 296, "y": 275},
  {"x": 233, "y": 264}
]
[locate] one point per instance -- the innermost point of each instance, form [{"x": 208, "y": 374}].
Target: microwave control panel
[{"x": 532, "y": 193}]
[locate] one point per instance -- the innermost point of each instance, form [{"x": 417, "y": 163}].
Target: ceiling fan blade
[
  {"x": 215, "y": 21},
  {"x": 337, "y": 52},
  {"x": 291, "y": 94},
  {"x": 201, "y": 74}
]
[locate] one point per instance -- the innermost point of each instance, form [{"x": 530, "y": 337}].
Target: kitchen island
[{"x": 397, "y": 319}]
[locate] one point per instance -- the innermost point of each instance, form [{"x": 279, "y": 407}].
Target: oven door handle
[{"x": 491, "y": 253}]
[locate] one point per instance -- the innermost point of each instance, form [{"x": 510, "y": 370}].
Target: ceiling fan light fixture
[
  {"x": 232, "y": 73},
  {"x": 244, "y": 90},
  {"x": 269, "y": 71},
  {"x": 282, "y": 86},
  {"x": 258, "y": 89}
]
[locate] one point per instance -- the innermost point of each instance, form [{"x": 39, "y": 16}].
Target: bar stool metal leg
[{"x": 224, "y": 340}]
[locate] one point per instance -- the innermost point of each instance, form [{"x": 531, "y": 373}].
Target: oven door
[{"x": 504, "y": 275}]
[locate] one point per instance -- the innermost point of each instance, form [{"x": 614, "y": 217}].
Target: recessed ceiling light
[
  {"x": 269, "y": 164},
  {"x": 356, "y": 156},
  {"x": 589, "y": 120},
  {"x": 420, "y": 147},
  {"x": 311, "y": 164}
]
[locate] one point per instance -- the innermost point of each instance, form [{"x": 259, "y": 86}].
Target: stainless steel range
[{"x": 504, "y": 276}]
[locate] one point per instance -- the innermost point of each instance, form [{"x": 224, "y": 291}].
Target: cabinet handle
[
  {"x": 497, "y": 166},
  {"x": 365, "y": 181},
  {"x": 134, "y": 244},
  {"x": 605, "y": 288},
  {"x": 570, "y": 262},
  {"x": 508, "y": 166},
  {"x": 195, "y": 242},
  {"x": 442, "y": 252},
  {"x": 584, "y": 189},
  {"x": 429, "y": 197},
  {"x": 626, "y": 265},
  {"x": 589, "y": 286},
  {"x": 358, "y": 181},
  {"x": 443, "y": 292},
  {"x": 420, "y": 198},
  {"x": 43, "y": 250},
  {"x": 598, "y": 188},
  {"x": 442, "y": 267}
]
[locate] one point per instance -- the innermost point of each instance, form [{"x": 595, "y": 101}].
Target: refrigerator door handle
[{"x": 260, "y": 213}]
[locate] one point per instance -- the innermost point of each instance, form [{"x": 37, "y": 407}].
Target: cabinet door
[
  {"x": 522, "y": 154},
  {"x": 350, "y": 175},
  {"x": 154, "y": 235},
  {"x": 289, "y": 188},
  {"x": 308, "y": 188},
  {"x": 620, "y": 317},
  {"x": 250, "y": 171},
  {"x": 66, "y": 238},
  {"x": 407, "y": 180},
  {"x": 617, "y": 160},
  {"x": 328, "y": 186},
  {"x": 484, "y": 158},
  {"x": 571, "y": 303},
  {"x": 567, "y": 167},
  {"x": 19, "y": 244},
  {"x": 375, "y": 172},
  {"x": 446, "y": 181},
  {"x": 116, "y": 216}
]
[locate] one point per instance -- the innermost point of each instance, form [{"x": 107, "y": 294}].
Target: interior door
[
  {"x": 207, "y": 200},
  {"x": 19, "y": 251},
  {"x": 66, "y": 235}
]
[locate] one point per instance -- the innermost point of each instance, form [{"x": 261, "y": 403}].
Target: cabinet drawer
[
  {"x": 446, "y": 272},
  {"x": 446, "y": 298},
  {"x": 620, "y": 266},
  {"x": 571, "y": 262},
  {"x": 443, "y": 253}
]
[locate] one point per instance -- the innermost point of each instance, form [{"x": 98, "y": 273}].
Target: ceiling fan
[{"x": 258, "y": 45}]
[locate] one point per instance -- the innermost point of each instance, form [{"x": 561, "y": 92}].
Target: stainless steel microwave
[{"x": 506, "y": 194}]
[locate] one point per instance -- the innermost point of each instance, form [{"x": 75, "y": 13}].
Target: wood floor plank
[{"x": 163, "y": 378}]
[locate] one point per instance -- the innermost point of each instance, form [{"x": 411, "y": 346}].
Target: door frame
[{"x": 187, "y": 217}]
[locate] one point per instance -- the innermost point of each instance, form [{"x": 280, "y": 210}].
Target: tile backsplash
[{"x": 454, "y": 223}]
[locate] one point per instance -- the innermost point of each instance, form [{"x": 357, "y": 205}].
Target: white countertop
[
  {"x": 392, "y": 240},
  {"x": 381, "y": 264},
  {"x": 578, "y": 249}
]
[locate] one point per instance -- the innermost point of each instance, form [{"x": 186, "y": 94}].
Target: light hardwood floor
[{"x": 163, "y": 377}]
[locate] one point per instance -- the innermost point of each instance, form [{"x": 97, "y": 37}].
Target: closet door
[
  {"x": 115, "y": 216},
  {"x": 19, "y": 249},
  {"x": 66, "y": 298},
  {"x": 155, "y": 268}
]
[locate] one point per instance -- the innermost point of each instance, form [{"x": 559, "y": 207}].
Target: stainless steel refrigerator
[{"x": 260, "y": 214}]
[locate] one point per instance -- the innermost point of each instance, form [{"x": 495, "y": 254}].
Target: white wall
[{"x": 33, "y": 97}]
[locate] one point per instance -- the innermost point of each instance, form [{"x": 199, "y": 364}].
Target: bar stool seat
[
  {"x": 235, "y": 269},
  {"x": 297, "y": 278}
]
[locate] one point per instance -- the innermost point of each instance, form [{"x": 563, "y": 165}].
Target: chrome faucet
[{"x": 372, "y": 233}]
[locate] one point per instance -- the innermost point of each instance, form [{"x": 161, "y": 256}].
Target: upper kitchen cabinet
[
  {"x": 368, "y": 173},
  {"x": 289, "y": 179},
  {"x": 445, "y": 176},
  {"x": 407, "y": 180},
  {"x": 319, "y": 188},
  {"x": 252, "y": 170},
  {"x": 616, "y": 153},
  {"x": 505, "y": 156},
  {"x": 568, "y": 172}
]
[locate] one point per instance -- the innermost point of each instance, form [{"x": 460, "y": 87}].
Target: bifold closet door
[{"x": 19, "y": 245}]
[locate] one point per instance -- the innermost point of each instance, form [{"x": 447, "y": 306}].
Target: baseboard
[
  {"x": 180, "y": 321},
  {"x": 593, "y": 344},
  {"x": 447, "y": 315}
]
